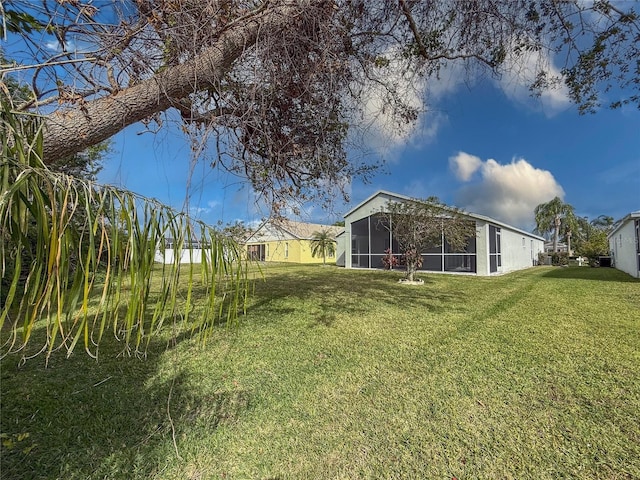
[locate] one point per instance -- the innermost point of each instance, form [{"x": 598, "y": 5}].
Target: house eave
[
  {"x": 475, "y": 216},
  {"x": 622, "y": 222}
]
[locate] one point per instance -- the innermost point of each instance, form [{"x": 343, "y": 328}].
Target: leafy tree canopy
[
  {"x": 603, "y": 222},
  {"x": 596, "y": 245},
  {"x": 281, "y": 84},
  {"x": 238, "y": 231}
]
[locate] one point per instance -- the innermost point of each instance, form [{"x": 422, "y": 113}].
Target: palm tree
[
  {"x": 322, "y": 244},
  {"x": 603, "y": 222},
  {"x": 552, "y": 216},
  {"x": 65, "y": 239}
]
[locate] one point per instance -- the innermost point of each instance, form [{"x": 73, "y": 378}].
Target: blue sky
[
  {"x": 488, "y": 148},
  {"x": 482, "y": 144}
]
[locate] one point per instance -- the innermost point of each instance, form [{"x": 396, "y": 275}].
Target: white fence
[{"x": 193, "y": 255}]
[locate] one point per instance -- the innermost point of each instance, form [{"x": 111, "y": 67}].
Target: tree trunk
[
  {"x": 71, "y": 130},
  {"x": 411, "y": 271},
  {"x": 556, "y": 233}
]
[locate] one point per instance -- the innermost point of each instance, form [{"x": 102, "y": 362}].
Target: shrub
[
  {"x": 542, "y": 258},
  {"x": 389, "y": 260},
  {"x": 560, "y": 258}
]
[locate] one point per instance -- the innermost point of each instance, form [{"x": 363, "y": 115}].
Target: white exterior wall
[
  {"x": 482, "y": 248},
  {"x": 340, "y": 249},
  {"x": 622, "y": 243},
  {"x": 518, "y": 250},
  {"x": 267, "y": 233},
  {"x": 514, "y": 256}
]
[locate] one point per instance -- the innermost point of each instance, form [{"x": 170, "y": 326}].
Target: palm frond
[
  {"x": 322, "y": 245},
  {"x": 80, "y": 258}
]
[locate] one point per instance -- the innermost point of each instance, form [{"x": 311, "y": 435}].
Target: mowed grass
[{"x": 343, "y": 374}]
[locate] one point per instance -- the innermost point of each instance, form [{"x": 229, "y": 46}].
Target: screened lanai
[
  {"x": 497, "y": 247},
  {"x": 372, "y": 237}
]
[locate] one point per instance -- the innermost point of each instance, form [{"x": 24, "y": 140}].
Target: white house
[
  {"x": 497, "y": 247},
  {"x": 562, "y": 247},
  {"x": 624, "y": 244}
]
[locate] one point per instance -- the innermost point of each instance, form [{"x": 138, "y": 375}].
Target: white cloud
[
  {"x": 53, "y": 45},
  {"x": 383, "y": 133},
  {"x": 508, "y": 192},
  {"x": 464, "y": 165},
  {"x": 198, "y": 211},
  {"x": 520, "y": 73},
  {"x": 387, "y": 138},
  {"x": 449, "y": 79},
  {"x": 56, "y": 46}
]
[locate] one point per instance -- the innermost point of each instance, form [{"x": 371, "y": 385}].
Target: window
[
  {"x": 286, "y": 250},
  {"x": 360, "y": 243},
  {"x": 372, "y": 236},
  {"x": 459, "y": 260},
  {"x": 256, "y": 252},
  {"x": 495, "y": 254},
  {"x": 380, "y": 235}
]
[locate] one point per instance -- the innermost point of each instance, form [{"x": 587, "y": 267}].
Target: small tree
[
  {"x": 238, "y": 231},
  {"x": 596, "y": 246},
  {"x": 322, "y": 244},
  {"x": 420, "y": 224}
]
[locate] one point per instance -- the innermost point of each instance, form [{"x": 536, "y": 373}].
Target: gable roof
[
  {"x": 475, "y": 216},
  {"x": 289, "y": 229},
  {"x": 623, "y": 221}
]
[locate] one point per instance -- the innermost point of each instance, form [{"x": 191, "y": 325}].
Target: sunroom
[{"x": 496, "y": 248}]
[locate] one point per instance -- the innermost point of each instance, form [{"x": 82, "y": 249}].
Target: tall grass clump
[{"x": 81, "y": 256}]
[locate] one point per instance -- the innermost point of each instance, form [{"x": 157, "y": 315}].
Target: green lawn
[{"x": 345, "y": 374}]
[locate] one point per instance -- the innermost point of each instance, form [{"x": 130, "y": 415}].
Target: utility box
[{"x": 605, "y": 261}]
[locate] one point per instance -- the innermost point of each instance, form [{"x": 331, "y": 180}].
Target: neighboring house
[
  {"x": 287, "y": 241},
  {"x": 497, "y": 247},
  {"x": 562, "y": 247},
  {"x": 624, "y": 244}
]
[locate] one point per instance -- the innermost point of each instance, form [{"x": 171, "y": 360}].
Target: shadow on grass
[
  {"x": 81, "y": 419},
  {"x": 349, "y": 292},
  {"x": 601, "y": 274}
]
